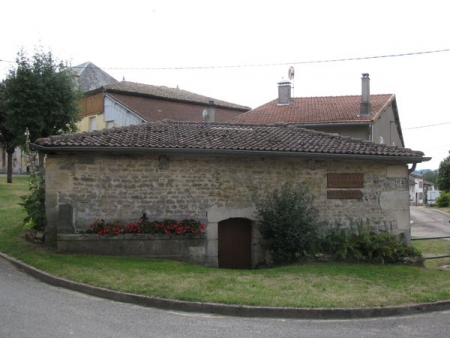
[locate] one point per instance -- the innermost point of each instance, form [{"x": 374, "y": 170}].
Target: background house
[
  {"x": 422, "y": 192},
  {"x": 369, "y": 117},
  {"x": 91, "y": 77},
  {"x": 127, "y": 103},
  {"x": 416, "y": 189},
  {"x": 211, "y": 172}
]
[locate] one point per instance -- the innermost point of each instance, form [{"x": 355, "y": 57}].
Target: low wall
[{"x": 188, "y": 248}]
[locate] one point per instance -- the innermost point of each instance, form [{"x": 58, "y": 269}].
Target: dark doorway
[{"x": 235, "y": 239}]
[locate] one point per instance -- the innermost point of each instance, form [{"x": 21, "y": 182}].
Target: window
[
  {"x": 421, "y": 184},
  {"x": 92, "y": 123}
]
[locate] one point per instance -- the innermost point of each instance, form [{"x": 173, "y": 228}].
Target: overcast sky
[{"x": 238, "y": 50}]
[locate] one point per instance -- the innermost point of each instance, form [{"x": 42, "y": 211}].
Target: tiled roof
[
  {"x": 154, "y": 109},
  {"x": 174, "y": 94},
  {"x": 316, "y": 110},
  {"x": 215, "y": 137},
  {"x": 91, "y": 77}
]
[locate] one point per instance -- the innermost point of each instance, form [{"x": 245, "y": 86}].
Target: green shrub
[
  {"x": 287, "y": 221},
  {"x": 34, "y": 203},
  {"x": 362, "y": 242},
  {"x": 443, "y": 201}
]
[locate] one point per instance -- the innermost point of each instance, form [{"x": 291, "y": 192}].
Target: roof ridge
[{"x": 168, "y": 93}]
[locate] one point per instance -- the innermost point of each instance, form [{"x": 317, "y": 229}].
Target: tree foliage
[
  {"x": 430, "y": 176},
  {"x": 443, "y": 180},
  {"x": 443, "y": 201},
  {"x": 39, "y": 94},
  {"x": 8, "y": 139}
]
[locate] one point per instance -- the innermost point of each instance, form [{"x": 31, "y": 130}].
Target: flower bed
[
  {"x": 144, "y": 226},
  {"x": 183, "y": 240}
]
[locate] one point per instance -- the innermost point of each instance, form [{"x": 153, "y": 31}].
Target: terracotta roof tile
[
  {"x": 315, "y": 110},
  {"x": 224, "y": 137}
]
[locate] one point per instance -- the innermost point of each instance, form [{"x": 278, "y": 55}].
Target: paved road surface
[
  {"x": 30, "y": 308},
  {"x": 429, "y": 222}
]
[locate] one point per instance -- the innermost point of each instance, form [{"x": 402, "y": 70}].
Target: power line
[
  {"x": 282, "y": 63},
  {"x": 430, "y": 125}
]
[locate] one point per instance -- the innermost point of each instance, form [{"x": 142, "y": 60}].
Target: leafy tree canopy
[
  {"x": 41, "y": 95},
  {"x": 430, "y": 176},
  {"x": 443, "y": 180},
  {"x": 7, "y": 138}
]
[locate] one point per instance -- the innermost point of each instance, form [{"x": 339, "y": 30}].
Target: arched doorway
[{"x": 235, "y": 238}]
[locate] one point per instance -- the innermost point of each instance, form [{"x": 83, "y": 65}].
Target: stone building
[{"x": 212, "y": 173}]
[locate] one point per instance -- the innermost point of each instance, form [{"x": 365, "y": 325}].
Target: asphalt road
[
  {"x": 429, "y": 222},
  {"x": 30, "y": 308}
]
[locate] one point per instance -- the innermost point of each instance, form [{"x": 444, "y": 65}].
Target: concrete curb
[{"x": 229, "y": 310}]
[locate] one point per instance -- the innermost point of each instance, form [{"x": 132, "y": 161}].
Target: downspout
[{"x": 412, "y": 168}]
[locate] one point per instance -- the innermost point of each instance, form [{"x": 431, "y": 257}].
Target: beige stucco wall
[
  {"x": 362, "y": 131},
  {"x": 83, "y": 124},
  {"x": 385, "y": 127},
  {"x": 212, "y": 188}
]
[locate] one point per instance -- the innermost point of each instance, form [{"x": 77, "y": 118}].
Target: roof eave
[{"x": 402, "y": 159}]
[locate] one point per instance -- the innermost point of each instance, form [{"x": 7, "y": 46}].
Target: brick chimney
[
  {"x": 365, "y": 99},
  {"x": 284, "y": 92}
]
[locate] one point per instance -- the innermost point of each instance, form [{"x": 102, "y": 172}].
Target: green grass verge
[
  {"x": 314, "y": 285},
  {"x": 434, "y": 246}
]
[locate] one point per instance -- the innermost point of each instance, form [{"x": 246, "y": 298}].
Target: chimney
[
  {"x": 209, "y": 114},
  {"x": 365, "y": 99},
  {"x": 284, "y": 92}
]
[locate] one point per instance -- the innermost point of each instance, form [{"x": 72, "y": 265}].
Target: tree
[
  {"x": 430, "y": 176},
  {"x": 40, "y": 95},
  {"x": 443, "y": 180},
  {"x": 7, "y": 138}
]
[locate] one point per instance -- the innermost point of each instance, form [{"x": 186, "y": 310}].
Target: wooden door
[{"x": 235, "y": 238}]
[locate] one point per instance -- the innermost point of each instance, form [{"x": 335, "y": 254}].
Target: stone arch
[{"x": 216, "y": 215}]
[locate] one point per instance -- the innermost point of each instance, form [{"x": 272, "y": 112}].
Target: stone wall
[
  {"x": 183, "y": 248},
  {"x": 211, "y": 188}
]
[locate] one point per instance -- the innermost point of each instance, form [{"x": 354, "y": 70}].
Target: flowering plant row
[{"x": 186, "y": 226}]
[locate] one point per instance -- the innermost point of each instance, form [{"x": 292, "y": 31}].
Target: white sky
[{"x": 128, "y": 38}]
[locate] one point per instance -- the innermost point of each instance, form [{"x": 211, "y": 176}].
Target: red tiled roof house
[{"x": 369, "y": 117}]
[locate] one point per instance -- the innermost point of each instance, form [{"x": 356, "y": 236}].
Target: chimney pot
[{"x": 284, "y": 92}]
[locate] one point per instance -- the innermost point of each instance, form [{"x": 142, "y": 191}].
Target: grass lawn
[{"x": 312, "y": 285}]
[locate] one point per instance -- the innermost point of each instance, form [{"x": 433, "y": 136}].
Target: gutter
[{"x": 128, "y": 150}]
